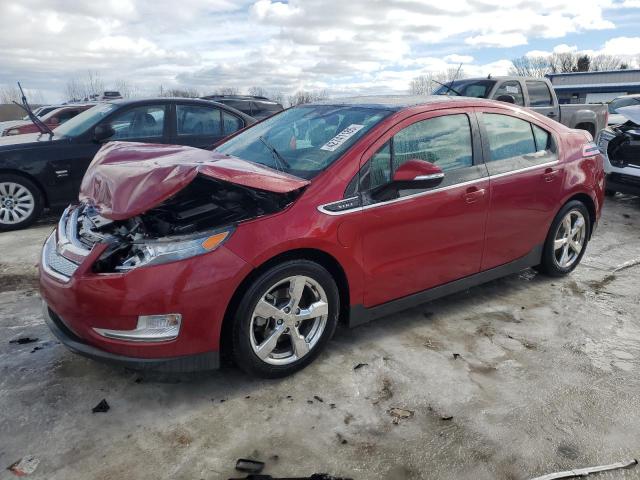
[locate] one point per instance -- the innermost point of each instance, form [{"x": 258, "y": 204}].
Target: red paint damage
[{"x": 126, "y": 179}]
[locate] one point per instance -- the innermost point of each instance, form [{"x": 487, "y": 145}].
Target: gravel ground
[{"x": 545, "y": 378}]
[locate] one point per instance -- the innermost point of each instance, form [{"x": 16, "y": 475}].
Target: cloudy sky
[{"x": 344, "y": 46}]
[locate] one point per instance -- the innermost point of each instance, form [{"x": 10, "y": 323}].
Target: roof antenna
[{"x": 489, "y": 77}]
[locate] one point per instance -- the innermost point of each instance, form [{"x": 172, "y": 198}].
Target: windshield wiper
[
  {"x": 276, "y": 155},
  {"x": 40, "y": 125},
  {"x": 449, "y": 88}
]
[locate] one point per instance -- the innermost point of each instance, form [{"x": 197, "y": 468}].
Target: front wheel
[
  {"x": 567, "y": 239},
  {"x": 285, "y": 319}
]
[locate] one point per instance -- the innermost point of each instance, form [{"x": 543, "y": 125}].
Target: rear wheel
[
  {"x": 20, "y": 202},
  {"x": 567, "y": 239},
  {"x": 285, "y": 319}
]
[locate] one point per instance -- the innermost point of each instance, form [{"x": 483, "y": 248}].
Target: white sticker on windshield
[
  {"x": 511, "y": 89},
  {"x": 342, "y": 137}
]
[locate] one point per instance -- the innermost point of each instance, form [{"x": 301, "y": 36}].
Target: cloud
[{"x": 344, "y": 46}]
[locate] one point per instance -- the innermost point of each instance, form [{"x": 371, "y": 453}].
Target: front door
[
  {"x": 145, "y": 123},
  {"x": 525, "y": 182},
  {"x": 424, "y": 238}
]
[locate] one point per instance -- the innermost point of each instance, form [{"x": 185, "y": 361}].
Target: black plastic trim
[
  {"x": 359, "y": 314},
  {"x": 189, "y": 363}
]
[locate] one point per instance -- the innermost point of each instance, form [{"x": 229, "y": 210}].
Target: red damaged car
[{"x": 341, "y": 210}]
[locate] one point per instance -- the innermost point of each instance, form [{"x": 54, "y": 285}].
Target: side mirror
[
  {"x": 103, "y": 132},
  {"x": 506, "y": 99},
  {"x": 415, "y": 173}
]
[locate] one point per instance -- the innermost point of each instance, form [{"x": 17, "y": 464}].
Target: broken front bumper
[{"x": 187, "y": 363}]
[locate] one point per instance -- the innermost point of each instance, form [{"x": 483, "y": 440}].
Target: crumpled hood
[
  {"x": 631, "y": 112},
  {"x": 126, "y": 179}
]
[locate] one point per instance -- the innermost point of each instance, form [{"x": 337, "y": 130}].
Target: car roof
[
  {"x": 398, "y": 102},
  {"x": 195, "y": 101}
]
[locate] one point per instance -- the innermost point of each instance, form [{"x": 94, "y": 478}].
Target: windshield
[
  {"x": 467, "y": 88},
  {"x": 623, "y": 102},
  {"x": 303, "y": 140},
  {"x": 85, "y": 120}
]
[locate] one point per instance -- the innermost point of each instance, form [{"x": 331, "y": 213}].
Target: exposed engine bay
[
  {"x": 624, "y": 148},
  {"x": 204, "y": 206}
]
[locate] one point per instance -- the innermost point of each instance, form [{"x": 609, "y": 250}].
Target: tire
[
  {"x": 610, "y": 193},
  {"x": 559, "y": 240},
  {"x": 281, "y": 356},
  {"x": 21, "y": 202}
]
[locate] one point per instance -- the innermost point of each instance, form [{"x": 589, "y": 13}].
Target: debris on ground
[
  {"x": 318, "y": 398},
  {"x": 23, "y": 340},
  {"x": 385, "y": 392},
  {"x": 332, "y": 405},
  {"x": 456, "y": 356},
  {"x": 583, "y": 472},
  {"x": 341, "y": 439},
  {"x": 101, "y": 407},
  {"x": 447, "y": 417},
  {"x": 360, "y": 365},
  {"x": 249, "y": 466},
  {"x": 315, "y": 476},
  {"x": 25, "y": 466},
  {"x": 399, "y": 414}
]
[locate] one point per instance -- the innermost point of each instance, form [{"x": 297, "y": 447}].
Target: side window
[
  {"x": 445, "y": 141},
  {"x": 539, "y": 94},
  {"x": 139, "y": 122},
  {"x": 231, "y": 123},
  {"x": 542, "y": 138},
  {"x": 512, "y": 88},
  {"x": 197, "y": 120},
  {"x": 508, "y": 137}
]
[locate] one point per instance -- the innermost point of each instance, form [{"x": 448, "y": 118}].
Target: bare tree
[
  {"x": 428, "y": 83},
  {"x": 307, "y": 96},
  {"x": 85, "y": 88},
  {"x": 9, "y": 94},
  {"x": 258, "y": 92},
  {"x": 227, "y": 91},
  {"x": 277, "y": 96},
  {"x": 185, "y": 92},
  {"x": 601, "y": 63},
  {"x": 127, "y": 89},
  {"x": 530, "y": 66},
  {"x": 421, "y": 85}
]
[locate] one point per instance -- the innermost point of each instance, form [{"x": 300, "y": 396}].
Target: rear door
[
  {"x": 525, "y": 185},
  {"x": 423, "y": 238},
  {"x": 201, "y": 126},
  {"x": 541, "y": 99}
]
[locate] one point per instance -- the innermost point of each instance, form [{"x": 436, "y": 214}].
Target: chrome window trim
[
  {"x": 321, "y": 208},
  {"x": 526, "y": 169}
]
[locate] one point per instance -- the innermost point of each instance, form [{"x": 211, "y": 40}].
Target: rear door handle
[
  {"x": 550, "y": 174},
  {"x": 551, "y": 114},
  {"x": 473, "y": 194}
]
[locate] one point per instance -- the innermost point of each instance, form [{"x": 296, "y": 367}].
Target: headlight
[{"x": 155, "y": 252}]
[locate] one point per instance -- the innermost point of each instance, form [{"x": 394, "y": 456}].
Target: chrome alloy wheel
[
  {"x": 289, "y": 320},
  {"x": 16, "y": 203},
  {"x": 570, "y": 239}
]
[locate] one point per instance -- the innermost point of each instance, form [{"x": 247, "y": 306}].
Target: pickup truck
[{"x": 534, "y": 93}]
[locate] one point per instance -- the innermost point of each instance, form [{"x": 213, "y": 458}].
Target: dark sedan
[{"x": 40, "y": 171}]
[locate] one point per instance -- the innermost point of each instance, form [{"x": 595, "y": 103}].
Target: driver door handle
[
  {"x": 473, "y": 194},
  {"x": 550, "y": 174}
]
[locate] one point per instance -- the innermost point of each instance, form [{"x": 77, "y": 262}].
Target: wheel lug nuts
[
  {"x": 280, "y": 321},
  {"x": 297, "y": 311},
  {"x": 287, "y": 310}
]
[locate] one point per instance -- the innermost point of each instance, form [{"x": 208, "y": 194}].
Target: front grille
[{"x": 54, "y": 263}]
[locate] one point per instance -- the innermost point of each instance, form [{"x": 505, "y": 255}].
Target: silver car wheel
[
  {"x": 569, "y": 239},
  {"x": 288, "y": 320},
  {"x": 16, "y": 203}
]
